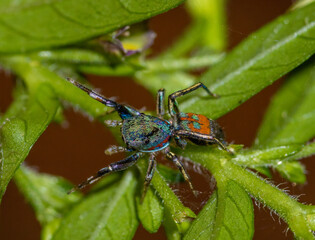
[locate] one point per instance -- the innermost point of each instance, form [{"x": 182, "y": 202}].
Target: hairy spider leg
[
  {"x": 112, "y": 123},
  {"x": 172, "y": 103},
  {"x": 204, "y": 137},
  {"x": 116, "y": 149},
  {"x": 149, "y": 175},
  {"x": 180, "y": 142},
  {"x": 124, "y": 112},
  {"x": 160, "y": 107},
  {"x": 171, "y": 156},
  {"x": 113, "y": 167}
]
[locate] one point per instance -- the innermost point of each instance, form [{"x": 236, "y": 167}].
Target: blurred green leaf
[
  {"x": 210, "y": 14},
  {"x": 150, "y": 212},
  {"x": 291, "y": 115},
  {"x": 266, "y": 156},
  {"x": 46, "y": 193},
  {"x": 258, "y": 61},
  {"x": 49, "y": 229},
  {"x": 264, "y": 170},
  {"x": 170, "y": 226},
  {"x": 170, "y": 81},
  {"x": 108, "y": 214},
  {"x": 71, "y": 56},
  {"x": 202, "y": 227},
  {"x": 227, "y": 215},
  {"x": 207, "y": 28},
  {"x": 290, "y": 118},
  {"x": 292, "y": 171},
  {"x": 34, "y": 24},
  {"x": 22, "y": 129},
  {"x": 35, "y": 74}
]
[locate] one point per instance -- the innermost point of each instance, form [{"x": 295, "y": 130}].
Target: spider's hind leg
[
  {"x": 171, "y": 156},
  {"x": 113, "y": 167},
  {"x": 149, "y": 175}
]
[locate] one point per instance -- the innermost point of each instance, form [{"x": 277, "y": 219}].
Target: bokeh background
[{"x": 75, "y": 149}]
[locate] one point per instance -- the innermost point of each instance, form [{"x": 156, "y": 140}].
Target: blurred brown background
[{"x": 75, "y": 150}]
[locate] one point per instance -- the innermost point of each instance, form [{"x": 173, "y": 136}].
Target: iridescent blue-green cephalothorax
[{"x": 144, "y": 133}]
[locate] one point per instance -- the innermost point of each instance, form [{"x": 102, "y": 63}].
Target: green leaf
[
  {"x": 108, "y": 214},
  {"x": 210, "y": 14},
  {"x": 257, "y": 62},
  {"x": 290, "y": 118},
  {"x": 292, "y": 171},
  {"x": 150, "y": 212},
  {"x": 71, "y": 55},
  {"x": 35, "y": 24},
  {"x": 291, "y": 115},
  {"x": 20, "y": 132},
  {"x": 202, "y": 227},
  {"x": 208, "y": 29},
  {"x": 46, "y": 193},
  {"x": 229, "y": 215},
  {"x": 35, "y": 74},
  {"x": 264, "y": 170},
  {"x": 49, "y": 229},
  {"x": 266, "y": 156},
  {"x": 170, "y": 226},
  {"x": 170, "y": 81}
]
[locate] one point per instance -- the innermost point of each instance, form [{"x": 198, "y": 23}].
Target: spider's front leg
[
  {"x": 160, "y": 108},
  {"x": 172, "y": 103},
  {"x": 112, "y": 123},
  {"x": 116, "y": 149},
  {"x": 113, "y": 167},
  {"x": 124, "y": 111}
]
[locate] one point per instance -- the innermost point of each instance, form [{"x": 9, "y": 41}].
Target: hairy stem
[
  {"x": 288, "y": 208},
  {"x": 179, "y": 212}
]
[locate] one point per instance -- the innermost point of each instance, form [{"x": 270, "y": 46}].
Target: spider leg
[
  {"x": 116, "y": 149},
  {"x": 149, "y": 176},
  {"x": 180, "y": 166},
  {"x": 113, "y": 167},
  {"x": 93, "y": 94},
  {"x": 204, "y": 137},
  {"x": 160, "y": 109},
  {"x": 112, "y": 123},
  {"x": 172, "y": 103},
  {"x": 123, "y": 111},
  {"x": 180, "y": 142}
]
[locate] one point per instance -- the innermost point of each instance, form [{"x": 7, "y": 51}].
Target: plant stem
[
  {"x": 179, "y": 212},
  {"x": 274, "y": 156},
  {"x": 192, "y": 63},
  {"x": 289, "y": 209}
]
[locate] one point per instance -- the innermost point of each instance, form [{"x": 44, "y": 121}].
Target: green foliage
[
  {"x": 227, "y": 215},
  {"x": 20, "y": 132},
  {"x": 34, "y": 24},
  {"x": 107, "y": 214},
  {"x": 46, "y": 193},
  {"x": 62, "y": 43},
  {"x": 150, "y": 212}
]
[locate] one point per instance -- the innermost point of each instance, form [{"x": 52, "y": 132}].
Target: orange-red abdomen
[{"x": 195, "y": 123}]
